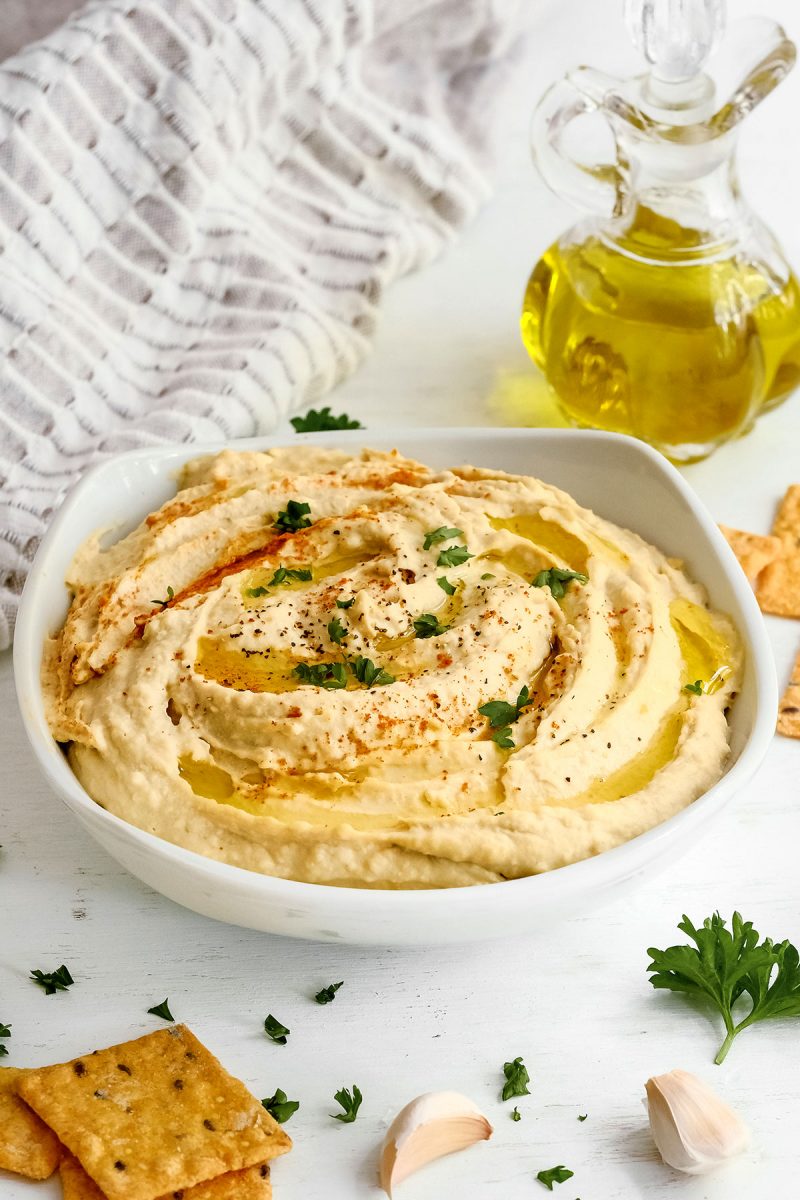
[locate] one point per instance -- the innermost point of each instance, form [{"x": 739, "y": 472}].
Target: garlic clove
[
  {"x": 693, "y": 1129},
  {"x": 433, "y": 1125}
]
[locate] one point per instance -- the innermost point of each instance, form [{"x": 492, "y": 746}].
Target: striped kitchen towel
[{"x": 201, "y": 203}]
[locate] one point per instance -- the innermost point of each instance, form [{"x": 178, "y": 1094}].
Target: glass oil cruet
[{"x": 669, "y": 313}]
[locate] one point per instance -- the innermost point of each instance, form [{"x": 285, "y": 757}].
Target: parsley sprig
[
  {"x": 53, "y": 981},
  {"x": 517, "y": 1079},
  {"x": 428, "y": 625},
  {"x": 327, "y": 994},
  {"x": 554, "y": 1175},
  {"x": 558, "y": 579},
  {"x": 279, "y": 1107},
  {"x": 346, "y": 603},
  {"x": 164, "y": 603},
  {"x": 162, "y": 1010},
  {"x": 501, "y": 716},
  {"x": 446, "y": 586},
  {"x": 442, "y": 534},
  {"x": 293, "y": 517},
  {"x": 366, "y": 671},
  {"x": 350, "y": 1102},
  {"x": 282, "y": 578},
  {"x": 337, "y": 632},
  {"x": 322, "y": 420},
  {"x": 453, "y": 556},
  {"x": 696, "y": 688},
  {"x": 5, "y": 1032},
  {"x": 727, "y": 965},
  {"x": 330, "y": 675},
  {"x": 273, "y": 1029}
]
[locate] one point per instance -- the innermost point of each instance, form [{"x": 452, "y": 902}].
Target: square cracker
[
  {"x": 154, "y": 1115},
  {"x": 789, "y": 707},
  {"x": 250, "y": 1184},
  {"x": 27, "y": 1146},
  {"x": 787, "y": 520},
  {"x": 753, "y": 550}
]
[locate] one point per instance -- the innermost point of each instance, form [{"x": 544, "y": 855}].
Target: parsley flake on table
[
  {"x": 554, "y": 1175},
  {"x": 337, "y": 632},
  {"x": 582, "y": 1116},
  {"x": 516, "y": 1115},
  {"x": 346, "y": 603},
  {"x": 327, "y": 994},
  {"x": 322, "y": 420},
  {"x": 427, "y": 625},
  {"x": 442, "y": 534},
  {"x": 324, "y": 675},
  {"x": 517, "y": 1079},
  {"x": 273, "y": 1029},
  {"x": 293, "y": 517},
  {"x": 164, "y": 603},
  {"x": 501, "y": 716},
  {"x": 53, "y": 981},
  {"x": 367, "y": 672},
  {"x": 558, "y": 579},
  {"x": 350, "y": 1104},
  {"x": 726, "y": 965},
  {"x": 446, "y": 586},
  {"x": 5, "y": 1032},
  {"x": 162, "y": 1010},
  {"x": 279, "y": 1107},
  {"x": 453, "y": 556},
  {"x": 696, "y": 687}
]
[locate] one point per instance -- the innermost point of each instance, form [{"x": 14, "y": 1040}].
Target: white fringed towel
[{"x": 201, "y": 203}]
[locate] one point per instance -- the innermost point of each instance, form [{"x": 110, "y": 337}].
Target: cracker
[
  {"x": 154, "y": 1115},
  {"x": 250, "y": 1184},
  {"x": 787, "y": 520},
  {"x": 753, "y": 550},
  {"x": 778, "y": 588},
  {"x": 789, "y": 707},
  {"x": 27, "y": 1146}
]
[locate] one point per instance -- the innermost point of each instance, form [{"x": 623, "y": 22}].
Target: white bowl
[{"x": 622, "y": 480}]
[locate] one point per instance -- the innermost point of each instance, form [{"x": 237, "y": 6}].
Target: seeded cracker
[
  {"x": 753, "y": 550},
  {"x": 153, "y": 1116},
  {"x": 27, "y": 1146},
  {"x": 789, "y": 707},
  {"x": 250, "y": 1184}
]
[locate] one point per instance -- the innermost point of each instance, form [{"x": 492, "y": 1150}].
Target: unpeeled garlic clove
[
  {"x": 693, "y": 1129},
  {"x": 431, "y": 1126}
]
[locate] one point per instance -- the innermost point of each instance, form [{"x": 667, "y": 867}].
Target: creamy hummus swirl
[{"x": 284, "y": 667}]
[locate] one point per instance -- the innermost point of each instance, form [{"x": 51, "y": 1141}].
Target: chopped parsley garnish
[
  {"x": 516, "y": 1115},
  {"x": 501, "y": 716},
  {"x": 696, "y": 688},
  {"x": 164, "y": 603},
  {"x": 442, "y": 534},
  {"x": 558, "y": 579},
  {"x": 427, "y": 626},
  {"x": 446, "y": 586},
  {"x": 273, "y": 1029},
  {"x": 517, "y": 1079},
  {"x": 162, "y": 1010},
  {"x": 554, "y": 1175},
  {"x": 279, "y": 1107},
  {"x": 337, "y": 632},
  {"x": 487, "y": 576},
  {"x": 283, "y": 576},
  {"x": 53, "y": 981},
  {"x": 367, "y": 672},
  {"x": 293, "y": 517},
  {"x": 322, "y": 420},
  {"x": 724, "y": 966},
  {"x": 453, "y": 556},
  {"x": 327, "y": 994},
  {"x": 582, "y": 1116},
  {"x": 5, "y": 1032},
  {"x": 350, "y": 1104},
  {"x": 324, "y": 675},
  {"x": 346, "y": 603}
]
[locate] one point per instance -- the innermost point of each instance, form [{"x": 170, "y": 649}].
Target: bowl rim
[{"x": 607, "y": 868}]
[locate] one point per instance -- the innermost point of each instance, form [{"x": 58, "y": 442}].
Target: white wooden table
[{"x": 573, "y": 1001}]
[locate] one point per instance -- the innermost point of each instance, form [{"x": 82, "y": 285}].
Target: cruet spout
[{"x": 756, "y": 56}]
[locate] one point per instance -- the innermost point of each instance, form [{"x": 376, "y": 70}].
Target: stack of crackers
[
  {"x": 158, "y": 1118},
  {"x": 772, "y": 564}
]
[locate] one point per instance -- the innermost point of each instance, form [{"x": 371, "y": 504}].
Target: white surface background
[{"x": 573, "y": 1001}]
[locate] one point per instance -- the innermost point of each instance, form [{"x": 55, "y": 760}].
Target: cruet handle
[{"x": 600, "y": 188}]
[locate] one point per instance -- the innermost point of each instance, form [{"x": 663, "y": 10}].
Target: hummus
[{"x": 355, "y": 670}]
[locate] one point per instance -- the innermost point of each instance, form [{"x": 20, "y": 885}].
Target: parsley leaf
[
  {"x": 554, "y": 1175},
  {"x": 367, "y": 672},
  {"x": 283, "y": 576},
  {"x": 162, "y": 1010},
  {"x": 279, "y": 1107},
  {"x": 446, "y": 586},
  {"x": 696, "y": 687},
  {"x": 350, "y": 1104},
  {"x": 164, "y": 603},
  {"x": 516, "y": 1115},
  {"x": 5, "y": 1032},
  {"x": 346, "y": 603},
  {"x": 327, "y": 994},
  {"x": 427, "y": 626},
  {"x": 453, "y": 556},
  {"x": 517, "y": 1079},
  {"x": 582, "y": 1116},
  {"x": 325, "y": 675},
  {"x": 337, "y": 632},
  {"x": 53, "y": 981},
  {"x": 487, "y": 576},
  {"x": 273, "y": 1029},
  {"x": 293, "y": 517},
  {"x": 503, "y": 738},
  {"x": 321, "y": 420},
  {"x": 557, "y": 579},
  {"x": 726, "y": 965},
  {"x": 502, "y": 715},
  {"x": 442, "y": 534}
]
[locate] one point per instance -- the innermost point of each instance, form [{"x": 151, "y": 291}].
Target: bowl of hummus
[{"x": 352, "y": 688}]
